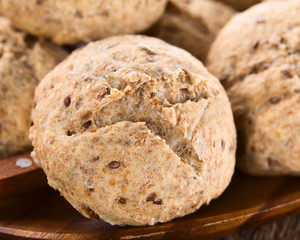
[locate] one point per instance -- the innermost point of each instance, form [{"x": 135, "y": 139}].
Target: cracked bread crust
[
  {"x": 260, "y": 70},
  {"x": 77, "y": 21},
  {"x": 23, "y": 62},
  {"x": 136, "y": 125},
  {"x": 192, "y": 25}
]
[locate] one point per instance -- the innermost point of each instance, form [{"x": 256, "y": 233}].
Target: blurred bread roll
[
  {"x": 24, "y": 62},
  {"x": 192, "y": 25},
  {"x": 256, "y": 56},
  {"x": 76, "y": 21}
]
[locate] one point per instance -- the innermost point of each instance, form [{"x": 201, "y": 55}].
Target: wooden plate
[{"x": 248, "y": 202}]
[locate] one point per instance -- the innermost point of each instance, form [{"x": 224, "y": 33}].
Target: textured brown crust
[
  {"x": 23, "y": 62},
  {"x": 74, "y": 21},
  {"x": 257, "y": 58},
  {"x": 136, "y": 125},
  {"x": 241, "y": 5},
  {"x": 192, "y": 25}
]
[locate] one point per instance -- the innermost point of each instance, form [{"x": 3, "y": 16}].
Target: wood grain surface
[
  {"x": 43, "y": 214},
  {"x": 15, "y": 180},
  {"x": 285, "y": 229}
]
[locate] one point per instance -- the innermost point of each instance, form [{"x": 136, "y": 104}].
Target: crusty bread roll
[
  {"x": 24, "y": 61},
  {"x": 192, "y": 25},
  {"x": 134, "y": 131},
  {"x": 75, "y": 21},
  {"x": 256, "y": 56}
]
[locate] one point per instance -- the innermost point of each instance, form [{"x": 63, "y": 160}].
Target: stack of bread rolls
[{"x": 133, "y": 130}]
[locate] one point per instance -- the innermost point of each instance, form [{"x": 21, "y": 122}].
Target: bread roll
[
  {"x": 24, "y": 61},
  {"x": 134, "y": 131},
  {"x": 192, "y": 25},
  {"x": 256, "y": 56},
  {"x": 75, "y": 21}
]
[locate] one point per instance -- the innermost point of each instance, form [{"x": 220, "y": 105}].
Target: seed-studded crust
[
  {"x": 241, "y": 5},
  {"x": 74, "y": 21},
  {"x": 136, "y": 125},
  {"x": 257, "y": 57},
  {"x": 23, "y": 62},
  {"x": 192, "y": 24}
]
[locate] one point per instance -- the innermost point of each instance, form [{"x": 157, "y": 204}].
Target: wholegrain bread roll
[
  {"x": 192, "y": 25},
  {"x": 23, "y": 62},
  {"x": 256, "y": 56},
  {"x": 75, "y": 21},
  {"x": 136, "y": 125}
]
